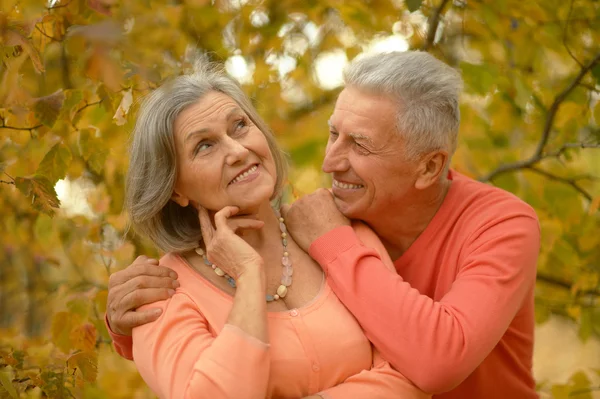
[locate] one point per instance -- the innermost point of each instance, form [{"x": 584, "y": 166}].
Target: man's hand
[
  {"x": 142, "y": 282},
  {"x": 312, "y": 216}
]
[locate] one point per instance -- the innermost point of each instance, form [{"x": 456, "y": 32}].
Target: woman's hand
[{"x": 224, "y": 247}]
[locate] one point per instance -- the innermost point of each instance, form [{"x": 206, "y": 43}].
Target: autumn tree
[{"x": 73, "y": 71}]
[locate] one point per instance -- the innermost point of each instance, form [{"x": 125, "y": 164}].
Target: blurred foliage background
[{"x": 72, "y": 72}]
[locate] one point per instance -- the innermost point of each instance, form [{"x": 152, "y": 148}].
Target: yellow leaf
[
  {"x": 566, "y": 113},
  {"x": 121, "y": 115},
  {"x": 87, "y": 363},
  {"x": 83, "y": 337}
]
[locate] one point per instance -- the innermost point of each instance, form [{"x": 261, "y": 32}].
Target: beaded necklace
[{"x": 286, "y": 274}]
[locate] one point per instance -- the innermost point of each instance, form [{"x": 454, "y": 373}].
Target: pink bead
[
  {"x": 286, "y": 280},
  {"x": 286, "y": 261},
  {"x": 288, "y": 271},
  {"x": 282, "y": 227}
]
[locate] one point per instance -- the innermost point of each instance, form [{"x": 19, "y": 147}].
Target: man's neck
[{"x": 401, "y": 228}]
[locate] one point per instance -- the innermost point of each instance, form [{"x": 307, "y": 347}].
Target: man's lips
[{"x": 346, "y": 185}]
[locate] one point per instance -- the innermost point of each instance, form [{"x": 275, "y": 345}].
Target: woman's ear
[{"x": 180, "y": 199}]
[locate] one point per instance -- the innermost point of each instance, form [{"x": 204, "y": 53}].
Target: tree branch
[
  {"x": 552, "y": 111},
  {"x": 7, "y": 182},
  {"x": 564, "y": 180},
  {"x": 564, "y": 38},
  {"x": 434, "y": 21}
]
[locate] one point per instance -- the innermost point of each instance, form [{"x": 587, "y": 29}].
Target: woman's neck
[{"x": 267, "y": 240}]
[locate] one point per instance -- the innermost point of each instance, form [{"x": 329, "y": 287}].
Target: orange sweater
[
  {"x": 190, "y": 351},
  {"x": 459, "y": 315}
]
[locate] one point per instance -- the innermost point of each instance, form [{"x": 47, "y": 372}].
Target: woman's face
[{"x": 222, "y": 157}]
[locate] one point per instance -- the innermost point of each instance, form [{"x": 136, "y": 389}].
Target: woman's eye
[
  {"x": 241, "y": 124},
  {"x": 202, "y": 147}
]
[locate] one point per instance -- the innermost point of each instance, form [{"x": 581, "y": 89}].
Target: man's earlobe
[
  {"x": 180, "y": 199},
  {"x": 432, "y": 167}
]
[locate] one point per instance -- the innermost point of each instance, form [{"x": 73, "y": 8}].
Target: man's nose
[{"x": 336, "y": 157}]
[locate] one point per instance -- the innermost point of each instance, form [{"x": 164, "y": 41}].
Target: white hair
[
  {"x": 152, "y": 171},
  {"x": 427, "y": 92}
]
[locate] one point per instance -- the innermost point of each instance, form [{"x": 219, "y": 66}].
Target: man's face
[{"x": 365, "y": 155}]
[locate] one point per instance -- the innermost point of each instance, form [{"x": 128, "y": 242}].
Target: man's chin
[{"x": 345, "y": 208}]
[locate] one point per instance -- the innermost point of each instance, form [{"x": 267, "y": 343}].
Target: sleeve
[
  {"x": 179, "y": 357},
  {"x": 121, "y": 343},
  {"x": 380, "y": 382},
  {"x": 436, "y": 344}
]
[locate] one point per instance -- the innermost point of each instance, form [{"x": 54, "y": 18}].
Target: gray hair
[
  {"x": 152, "y": 169},
  {"x": 427, "y": 92}
]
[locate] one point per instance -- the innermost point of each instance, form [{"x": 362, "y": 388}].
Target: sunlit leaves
[{"x": 40, "y": 191}]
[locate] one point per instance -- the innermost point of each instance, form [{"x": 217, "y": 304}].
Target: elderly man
[{"x": 458, "y": 318}]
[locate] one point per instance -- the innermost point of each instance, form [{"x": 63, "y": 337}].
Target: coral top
[
  {"x": 458, "y": 316},
  {"x": 190, "y": 351}
]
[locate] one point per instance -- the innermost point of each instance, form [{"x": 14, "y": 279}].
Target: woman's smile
[{"x": 246, "y": 175}]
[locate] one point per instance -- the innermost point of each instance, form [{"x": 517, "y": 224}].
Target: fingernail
[
  {"x": 157, "y": 311},
  {"x": 176, "y": 284},
  {"x": 173, "y": 275},
  {"x": 171, "y": 292}
]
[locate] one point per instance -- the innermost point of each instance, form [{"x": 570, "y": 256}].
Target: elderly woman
[{"x": 253, "y": 316}]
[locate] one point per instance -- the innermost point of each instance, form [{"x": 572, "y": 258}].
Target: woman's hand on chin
[{"x": 225, "y": 248}]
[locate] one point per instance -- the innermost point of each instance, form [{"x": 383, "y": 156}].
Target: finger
[
  {"x": 206, "y": 227},
  {"x": 144, "y": 258},
  {"x": 140, "y": 297},
  {"x": 244, "y": 224},
  {"x": 224, "y": 214},
  {"x": 140, "y": 282},
  {"x": 135, "y": 319},
  {"x": 140, "y": 269}
]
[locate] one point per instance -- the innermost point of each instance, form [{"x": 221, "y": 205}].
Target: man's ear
[
  {"x": 431, "y": 167},
  {"x": 180, "y": 199}
]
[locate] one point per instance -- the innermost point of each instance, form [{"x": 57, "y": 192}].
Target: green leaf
[
  {"x": 6, "y": 383},
  {"x": 61, "y": 331},
  {"x": 48, "y": 108},
  {"x": 413, "y": 5},
  {"x": 596, "y": 73},
  {"x": 43, "y": 228},
  {"x": 55, "y": 163},
  {"x": 586, "y": 326},
  {"x": 92, "y": 150},
  {"x": 72, "y": 99},
  {"x": 479, "y": 78},
  {"x": 41, "y": 191}
]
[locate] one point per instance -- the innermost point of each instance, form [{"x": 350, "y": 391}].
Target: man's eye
[{"x": 333, "y": 135}]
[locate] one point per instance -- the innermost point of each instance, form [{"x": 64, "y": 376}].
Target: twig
[
  {"x": 45, "y": 34},
  {"x": 569, "y": 182},
  {"x": 553, "y": 110},
  {"x": 7, "y": 182},
  {"x": 564, "y": 38},
  {"x": 434, "y": 21},
  {"x": 567, "y": 146},
  {"x": 86, "y": 106}
]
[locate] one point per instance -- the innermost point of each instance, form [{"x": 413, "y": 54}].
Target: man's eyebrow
[{"x": 358, "y": 136}]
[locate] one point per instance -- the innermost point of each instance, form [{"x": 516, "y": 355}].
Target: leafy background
[{"x": 72, "y": 73}]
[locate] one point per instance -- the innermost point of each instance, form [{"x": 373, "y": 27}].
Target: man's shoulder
[{"x": 482, "y": 200}]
